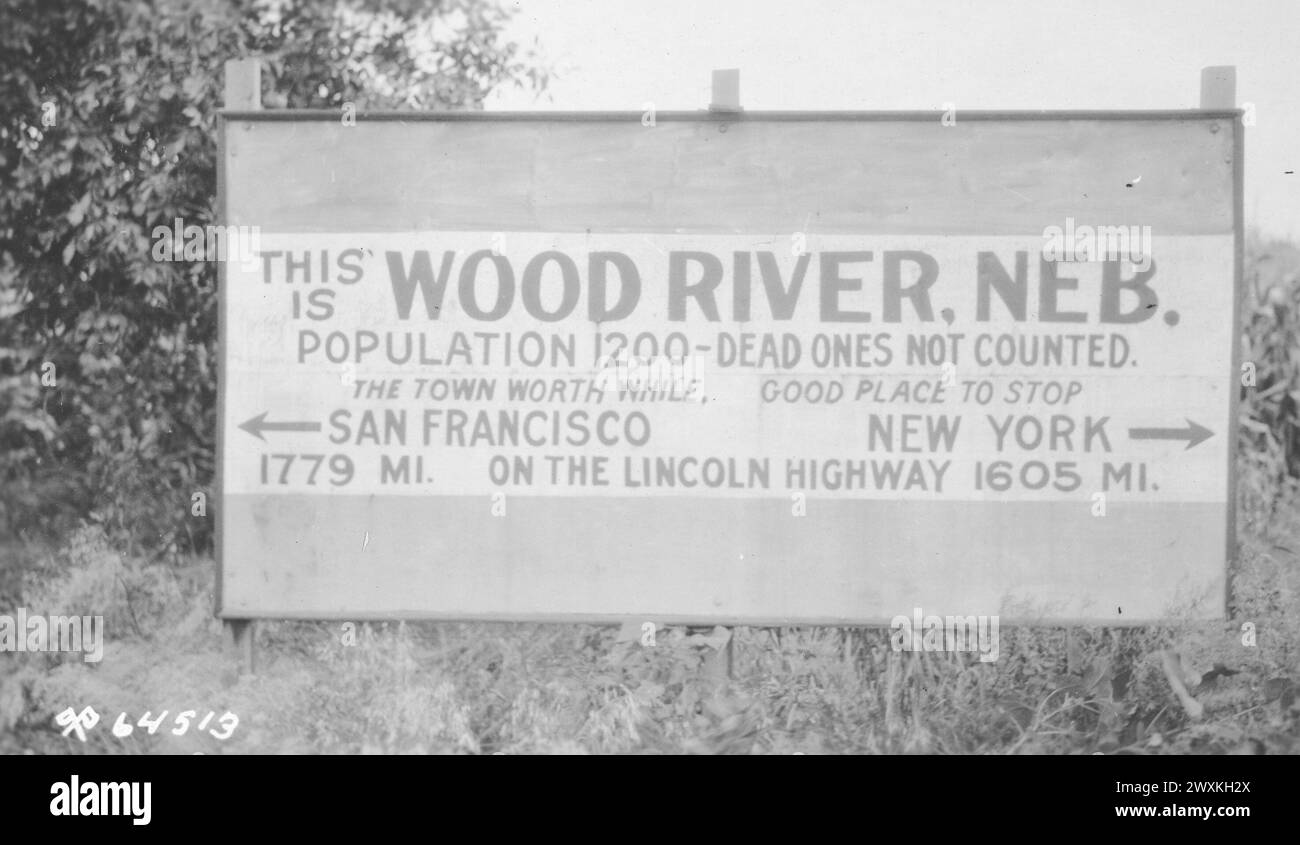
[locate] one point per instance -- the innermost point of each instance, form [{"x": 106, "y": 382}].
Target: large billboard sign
[{"x": 749, "y": 369}]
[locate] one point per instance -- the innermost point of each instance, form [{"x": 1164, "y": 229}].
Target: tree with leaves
[{"x": 108, "y": 120}]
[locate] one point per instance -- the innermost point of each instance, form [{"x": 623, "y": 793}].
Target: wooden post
[
  {"x": 1219, "y": 93},
  {"x": 726, "y": 90},
  {"x": 1219, "y": 87},
  {"x": 240, "y": 634},
  {"x": 720, "y": 665},
  {"x": 243, "y": 90},
  {"x": 243, "y": 84}
]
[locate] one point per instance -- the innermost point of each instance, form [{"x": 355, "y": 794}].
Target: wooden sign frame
[{"x": 233, "y": 119}]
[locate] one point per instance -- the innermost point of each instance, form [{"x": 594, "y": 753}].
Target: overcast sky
[{"x": 834, "y": 54}]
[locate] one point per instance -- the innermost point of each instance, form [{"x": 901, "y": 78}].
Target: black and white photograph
[{"x": 531, "y": 378}]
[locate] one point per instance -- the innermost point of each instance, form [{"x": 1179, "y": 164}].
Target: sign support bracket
[
  {"x": 720, "y": 664},
  {"x": 243, "y": 90}
]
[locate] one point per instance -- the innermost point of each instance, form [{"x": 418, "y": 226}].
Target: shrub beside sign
[{"x": 761, "y": 369}]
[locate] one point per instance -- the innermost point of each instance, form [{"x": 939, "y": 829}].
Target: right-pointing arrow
[{"x": 1193, "y": 434}]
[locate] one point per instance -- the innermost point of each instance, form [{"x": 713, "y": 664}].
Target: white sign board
[{"x": 592, "y": 370}]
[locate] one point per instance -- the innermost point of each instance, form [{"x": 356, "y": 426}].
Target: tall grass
[
  {"x": 516, "y": 688},
  {"x": 488, "y": 688}
]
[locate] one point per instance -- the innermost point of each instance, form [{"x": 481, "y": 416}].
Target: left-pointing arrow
[{"x": 258, "y": 424}]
